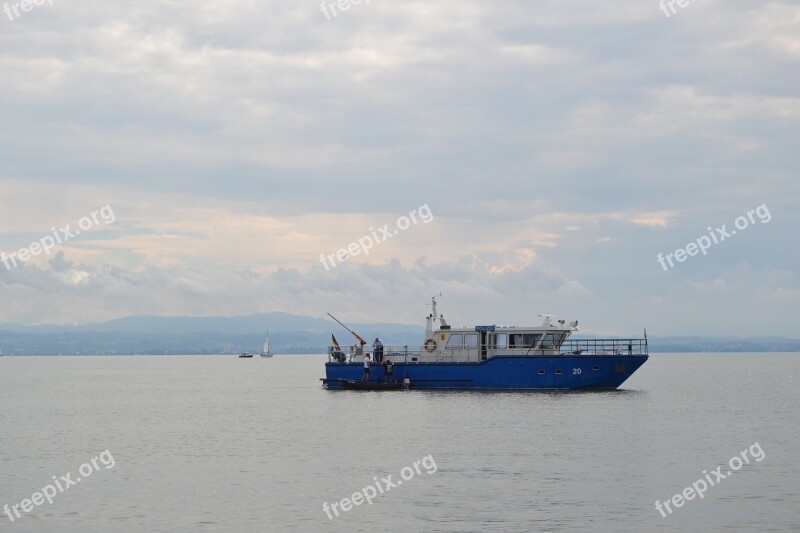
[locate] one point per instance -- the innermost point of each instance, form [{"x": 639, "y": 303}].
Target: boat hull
[{"x": 502, "y": 372}]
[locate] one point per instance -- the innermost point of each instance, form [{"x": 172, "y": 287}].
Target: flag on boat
[{"x": 335, "y": 344}]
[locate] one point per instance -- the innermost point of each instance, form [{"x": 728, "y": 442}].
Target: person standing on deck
[
  {"x": 377, "y": 350},
  {"x": 365, "y": 377},
  {"x": 388, "y": 370}
]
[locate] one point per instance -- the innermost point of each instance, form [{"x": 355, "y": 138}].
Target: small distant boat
[
  {"x": 245, "y": 355},
  {"x": 265, "y": 350}
]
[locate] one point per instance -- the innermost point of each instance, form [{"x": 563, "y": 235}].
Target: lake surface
[{"x": 219, "y": 443}]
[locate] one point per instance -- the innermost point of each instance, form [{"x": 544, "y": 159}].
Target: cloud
[{"x": 561, "y": 146}]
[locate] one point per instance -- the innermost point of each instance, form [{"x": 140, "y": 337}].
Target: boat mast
[{"x": 432, "y": 317}]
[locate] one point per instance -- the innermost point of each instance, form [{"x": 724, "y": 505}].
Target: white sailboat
[{"x": 265, "y": 351}]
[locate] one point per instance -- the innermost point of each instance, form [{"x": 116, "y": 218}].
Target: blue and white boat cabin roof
[{"x": 445, "y": 342}]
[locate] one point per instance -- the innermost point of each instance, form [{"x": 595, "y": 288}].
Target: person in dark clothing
[{"x": 388, "y": 370}]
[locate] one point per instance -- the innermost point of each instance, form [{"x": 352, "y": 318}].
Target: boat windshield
[
  {"x": 523, "y": 340},
  {"x": 553, "y": 340}
]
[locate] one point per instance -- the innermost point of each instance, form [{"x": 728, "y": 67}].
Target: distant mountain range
[{"x": 155, "y": 335}]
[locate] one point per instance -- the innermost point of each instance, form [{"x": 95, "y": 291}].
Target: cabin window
[
  {"x": 595, "y": 369},
  {"x": 552, "y": 340},
  {"x": 500, "y": 340},
  {"x": 455, "y": 342},
  {"x": 559, "y": 372},
  {"x": 515, "y": 340},
  {"x": 529, "y": 340},
  {"x": 471, "y": 341},
  {"x": 523, "y": 340},
  {"x": 541, "y": 372}
]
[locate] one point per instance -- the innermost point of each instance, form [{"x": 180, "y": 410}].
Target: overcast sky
[{"x": 558, "y": 146}]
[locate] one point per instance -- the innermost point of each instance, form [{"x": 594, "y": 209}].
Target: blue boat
[{"x": 493, "y": 357}]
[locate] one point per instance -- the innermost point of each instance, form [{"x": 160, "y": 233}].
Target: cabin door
[{"x": 484, "y": 340}]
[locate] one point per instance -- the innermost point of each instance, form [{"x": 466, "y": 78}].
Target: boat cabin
[{"x": 444, "y": 343}]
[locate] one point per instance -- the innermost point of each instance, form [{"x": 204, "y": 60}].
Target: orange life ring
[{"x": 430, "y": 345}]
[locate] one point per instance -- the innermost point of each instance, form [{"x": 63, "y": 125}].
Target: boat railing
[
  {"x": 401, "y": 350},
  {"x": 582, "y": 347},
  {"x": 616, "y": 347},
  {"x": 357, "y": 353},
  {"x": 604, "y": 347}
]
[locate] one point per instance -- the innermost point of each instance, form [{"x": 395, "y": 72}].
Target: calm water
[{"x": 223, "y": 444}]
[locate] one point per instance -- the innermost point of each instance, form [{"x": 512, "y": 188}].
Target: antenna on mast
[{"x": 433, "y": 305}]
